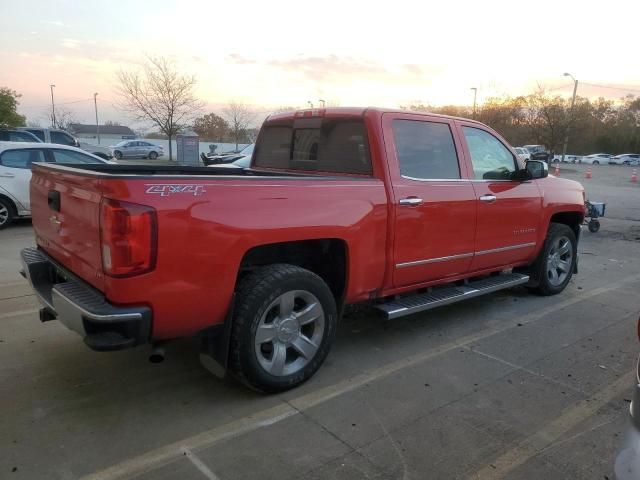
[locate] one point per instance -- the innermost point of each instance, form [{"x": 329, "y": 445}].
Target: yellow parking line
[{"x": 553, "y": 430}]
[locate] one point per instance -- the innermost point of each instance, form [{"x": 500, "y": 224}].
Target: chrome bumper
[{"x": 81, "y": 308}]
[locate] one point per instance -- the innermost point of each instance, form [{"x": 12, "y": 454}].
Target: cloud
[
  {"x": 70, "y": 43},
  {"x": 57, "y": 23},
  {"x": 334, "y": 67}
]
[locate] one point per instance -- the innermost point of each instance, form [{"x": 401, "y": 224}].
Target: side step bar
[{"x": 440, "y": 296}]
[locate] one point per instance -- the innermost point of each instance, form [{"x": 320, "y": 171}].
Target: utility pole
[
  {"x": 475, "y": 94},
  {"x": 573, "y": 101},
  {"x": 53, "y": 107},
  {"x": 95, "y": 104}
]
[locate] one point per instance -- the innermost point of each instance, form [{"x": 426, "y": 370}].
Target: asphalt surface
[{"x": 509, "y": 385}]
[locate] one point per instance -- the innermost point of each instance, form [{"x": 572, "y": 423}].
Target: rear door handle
[
  {"x": 488, "y": 198},
  {"x": 7, "y": 175},
  {"x": 411, "y": 201}
]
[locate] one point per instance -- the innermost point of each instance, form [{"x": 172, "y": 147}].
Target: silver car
[{"x": 137, "y": 149}]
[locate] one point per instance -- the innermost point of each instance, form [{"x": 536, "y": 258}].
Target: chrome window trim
[{"x": 416, "y": 263}]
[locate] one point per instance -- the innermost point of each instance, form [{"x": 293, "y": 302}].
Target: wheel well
[
  {"x": 572, "y": 219},
  {"x": 11, "y": 203},
  {"x": 327, "y": 258}
]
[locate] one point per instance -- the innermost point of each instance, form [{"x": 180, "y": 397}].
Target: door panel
[
  {"x": 434, "y": 206},
  {"x": 15, "y": 172},
  {"x": 509, "y": 211}
]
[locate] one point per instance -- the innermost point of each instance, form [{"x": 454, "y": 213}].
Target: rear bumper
[{"x": 81, "y": 308}]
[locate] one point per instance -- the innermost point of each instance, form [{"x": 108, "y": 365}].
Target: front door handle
[
  {"x": 7, "y": 175},
  {"x": 411, "y": 201},
  {"x": 488, "y": 198}
]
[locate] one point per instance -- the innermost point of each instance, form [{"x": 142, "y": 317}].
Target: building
[{"x": 109, "y": 134}]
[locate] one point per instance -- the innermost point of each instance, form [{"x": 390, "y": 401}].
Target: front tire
[
  {"x": 117, "y": 154},
  {"x": 596, "y": 162},
  {"x": 6, "y": 213},
  {"x": 153, "y": 155},
  {"x": 554, "y": 267},
  {"x": 284, "y": 323}
]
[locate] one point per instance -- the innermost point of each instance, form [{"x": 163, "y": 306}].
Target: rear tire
[
  {"x": 7, "y": 213},
  {"x": 284, "y": 323},
  {"x": 594, "y": 225},
  {"x": 552, "y": 270}
]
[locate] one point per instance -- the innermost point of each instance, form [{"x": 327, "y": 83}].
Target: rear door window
[
  {"x": 425, "y": 150},
  {"x": 38, "y": 133},
  {"x": 315, "y": 144},
  {"x": 21, "y": 158}
]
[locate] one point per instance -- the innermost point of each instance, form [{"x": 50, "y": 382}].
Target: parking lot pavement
[{"x": 509, "y": 385}]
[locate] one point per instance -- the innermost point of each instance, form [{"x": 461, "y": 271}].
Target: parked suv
[
  {"x": 538, "y": 152},
  {"x": 12, "y": 135},
  {"x": 60, "y": 137}
]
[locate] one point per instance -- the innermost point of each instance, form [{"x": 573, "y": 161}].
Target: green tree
[
  {"x": 9, "y": 117},
  {"x": 211, "y": 127}
]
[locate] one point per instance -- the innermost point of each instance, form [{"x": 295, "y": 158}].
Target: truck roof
[{"x": 354, "y": 112}]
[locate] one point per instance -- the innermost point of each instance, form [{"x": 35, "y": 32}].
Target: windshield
[{"x": 248, "y": 150}]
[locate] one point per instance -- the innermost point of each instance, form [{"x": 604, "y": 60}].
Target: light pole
[
  {"x": 475, "y": 94},
  {"x": 95, "y": 104},
  {"x": 53, "y": 107},
  {"x": 323, "y": 102},
  {"x": 573, "y": 101},
  {"x": 310, "y": 103}
]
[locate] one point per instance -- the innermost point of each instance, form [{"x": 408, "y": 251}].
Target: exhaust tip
[{"x": 157, "y": 355}]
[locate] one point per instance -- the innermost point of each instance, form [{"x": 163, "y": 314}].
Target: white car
[
  {"x": 16, "y": 159},
  {"x": 625, "y": 159},
  {"x": 567, "y": 158},
  {"x": 596, "y": 158},
  {"x": 523, "y": 153}
]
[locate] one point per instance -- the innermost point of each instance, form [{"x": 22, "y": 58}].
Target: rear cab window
[
  {"x": 331, "y": 145},
  {"x": 38, "y": 133}
]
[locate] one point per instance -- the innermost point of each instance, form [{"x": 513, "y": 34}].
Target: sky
[{"x": 270, "y": 54}]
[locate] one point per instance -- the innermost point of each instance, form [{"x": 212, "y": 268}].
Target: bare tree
[
  {"x": 239, "y": 117},
  {"x": 64, "y": 118},
  {"x": 160, "y": 94}
]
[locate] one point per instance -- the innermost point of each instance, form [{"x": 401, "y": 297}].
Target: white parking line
[
  {"x": 168, "y": 453},
  {"x": 199, "y": 464}
]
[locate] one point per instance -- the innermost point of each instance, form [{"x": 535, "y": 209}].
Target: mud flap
[{"x": 214, "y": 345}]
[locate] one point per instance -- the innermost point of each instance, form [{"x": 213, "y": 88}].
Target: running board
[{"x": 438, "y": 297}]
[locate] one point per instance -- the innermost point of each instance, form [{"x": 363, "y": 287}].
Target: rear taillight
[{"x": 129, "y": 238}]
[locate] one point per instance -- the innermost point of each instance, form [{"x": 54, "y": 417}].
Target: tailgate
[{"x": 65, "y": 210}]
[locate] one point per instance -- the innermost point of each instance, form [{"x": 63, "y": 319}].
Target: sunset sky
[{"x": 270, "y": 54}]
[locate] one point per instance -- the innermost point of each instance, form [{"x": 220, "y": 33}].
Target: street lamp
[
  {"x": 323, "y": 102},
  {"x": 310, "y": 103},
  {"x": 573, "y": 101},
  {"x": 53, "y": 107},
  {"x": 95, "y": 104},
  {"x": 475, "y": 94}
]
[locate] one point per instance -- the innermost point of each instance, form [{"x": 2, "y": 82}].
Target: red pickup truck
[{"x": 403, "y": 210}]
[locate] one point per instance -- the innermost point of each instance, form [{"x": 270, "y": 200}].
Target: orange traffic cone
[
  {"x": 556, "y": 172},
  {"x": 634, "y": 176},
  {"x": 588, "y": 174}
]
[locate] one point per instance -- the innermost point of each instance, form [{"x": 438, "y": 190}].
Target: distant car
[
  {"x": 625, "y": 159},
  {"x": 55, "y": 135},
  {"x": 596, "y": 158},
  {"x": 16, "y": 159},
  {"x": 11, "y": 135},
  {"x": 137, "y": 149},
  {"x": 523, "y": 153},
  {"x": 567, "y": 158},
  {"x": 239, "y": 164},
  {"x": 538, "y": 152},
  {"x": 229, "y": 157}
]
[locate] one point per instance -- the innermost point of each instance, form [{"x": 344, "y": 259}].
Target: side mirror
[{"x": 537, "y": 169}]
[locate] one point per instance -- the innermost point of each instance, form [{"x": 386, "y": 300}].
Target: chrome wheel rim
[
  {"x": 4, "y": 214},
  {"x": 559, "y": 261},
  {"x": 289, "y": 333}
]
